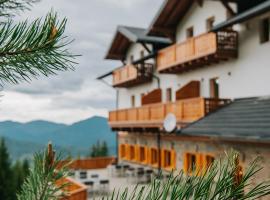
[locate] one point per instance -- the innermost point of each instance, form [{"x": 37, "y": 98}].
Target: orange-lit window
[
  {"x": 190, "y": 162},
  {"x": 132, "y": 152},
  {"x": 154, "y": 156},
  {"x": 208, "y": 161},
  {"x": 122, "y": 150},
  {"x": 142, "y": 154},
  {"x": 167, "y": 158}
]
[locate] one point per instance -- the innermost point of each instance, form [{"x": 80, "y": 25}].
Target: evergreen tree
[
  {"x": 104, "y": 149},
  {"x": 6, "y": 186},
  {"x": 20, "y": 172},
  {"x": 99, "y": 150}
]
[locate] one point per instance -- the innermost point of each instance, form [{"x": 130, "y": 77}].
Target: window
[
  {"x": 167, "y": 159},
  {"x": 214, "y": 88},
  {"x": 264, "y": 30},
  {"x": 208, "y": 161},
  {"x": 154, "y": 156},
  {"x": 169, "y": 94},
  {"x": 190, "y": 32},
  {"x": 132, "y": 101},
  {"x": 210, "y": 23},
  {"x": 190, "y": 162},
  {"x": 132, "y": 152},
  {"x": 142, "y": 154}
]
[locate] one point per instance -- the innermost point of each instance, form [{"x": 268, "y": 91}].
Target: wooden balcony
[
  {"x": 73, "y": 189},
  {"x": 197, "y": 52},
  {"x": 131, "y": 75},
  {"x": 151, "y": 117},
  {"x": 89, "y": 163}
]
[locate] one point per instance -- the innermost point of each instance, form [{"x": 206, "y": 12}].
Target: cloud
[{"x": 77, "y": 94}]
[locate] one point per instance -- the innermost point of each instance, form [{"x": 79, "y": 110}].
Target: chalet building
[{"x": 206, "y": 64}]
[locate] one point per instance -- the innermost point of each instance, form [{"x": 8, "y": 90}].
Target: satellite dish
[{"x": 169, "y": 123}]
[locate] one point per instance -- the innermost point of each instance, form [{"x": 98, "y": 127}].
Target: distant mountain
[{"x": 75, "y": 139}]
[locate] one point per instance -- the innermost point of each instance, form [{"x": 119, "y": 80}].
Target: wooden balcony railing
[
  {"x": 90, "y": 163},
  {"x": 73, "y": 189},
  {"x": 153, "y": 115},
  {"x": 131, "y": 75},
  {"x": 198, "y": 51}
]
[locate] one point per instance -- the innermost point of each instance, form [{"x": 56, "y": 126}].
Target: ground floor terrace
[{"x": 176, "y": 152}]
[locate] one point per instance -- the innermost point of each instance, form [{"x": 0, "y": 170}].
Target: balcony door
[{"x": 214, "y": 88}]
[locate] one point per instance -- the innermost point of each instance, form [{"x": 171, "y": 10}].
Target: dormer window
[
  {"x": 190, "y": 32},
  {"x": 264, "y": 30},
  {"x": 210, "y": 23}
]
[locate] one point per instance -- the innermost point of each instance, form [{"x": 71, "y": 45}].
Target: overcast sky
[{"x": 73, "y": 96}]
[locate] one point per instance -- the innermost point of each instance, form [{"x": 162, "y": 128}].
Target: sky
[{"x": 76, "y": 95}]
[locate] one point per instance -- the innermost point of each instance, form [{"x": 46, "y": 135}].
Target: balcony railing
[
  {"x": 153, "y": 115},
  {"x": 90, "y": 163},
  {"x": 73, "y": 190},
  {"x": 131, "y": 75},
  {"x": 198, "y": 51}
]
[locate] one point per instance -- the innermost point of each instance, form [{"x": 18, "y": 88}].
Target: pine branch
[
  {"x": 29, "y": 50},
  {"x": 41, "y": 183},
  {"x": 218, "y": 182},
  {"x": 9, "y": 7}
]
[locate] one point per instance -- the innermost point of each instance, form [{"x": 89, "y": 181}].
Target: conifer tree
[
  {"x": 6, "y": 186},
  {"x": 104, "y": 149}
]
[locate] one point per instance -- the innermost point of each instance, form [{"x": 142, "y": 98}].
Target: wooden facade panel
[
  {"x": 205, "y": 44},
  {"x": 167, "y": 56},
  {"x": 186, "y": 111},
  {"x": 113, "y": 116},
  {"x": 122, "y": 115},
  {"x": 190, "y": 90},
  {"x": 192, "y": 109},
  {"x": 73, "y": 189},
  {"x": 185, "y": 51},
  {"x": 154, "y": 96},
  {"x": 157, "y": 112},
  {"x": 198, "y": 51},
  {"x": 143, "y": 113},
  {"x": 124, "y": 74},
  {"x": 132, "y": 114}
]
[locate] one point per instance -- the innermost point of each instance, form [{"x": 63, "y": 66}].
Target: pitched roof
[
  {"x": 172, "y": 12},
  {"x": 126, "y": 35},
  {"x": 168, "y": 16},
  {"x": 242, "y": 119},
  {"x": 246, "y": 15}
]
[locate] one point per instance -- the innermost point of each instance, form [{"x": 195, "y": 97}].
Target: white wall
[
  {"x": 249, "y": 73},
  {"x": 197, "y": 17}
]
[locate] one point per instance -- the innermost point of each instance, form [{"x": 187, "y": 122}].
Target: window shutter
[
  {"x": 149, "y": 156},
  {"x": 186, "y": 165},
  {"x": 163, "y": 158},
  {"x": 127, "y": 156},
  {"x": 199, "y": 163},
  {"x": 173, "y": 159}
]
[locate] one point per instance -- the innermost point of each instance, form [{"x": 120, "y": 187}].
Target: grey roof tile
[{"x": 244, "y": 118}]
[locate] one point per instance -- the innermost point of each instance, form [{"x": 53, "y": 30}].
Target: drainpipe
[
  {"x": 117, "y": 134},
  {"x": 159, "y": 152}
]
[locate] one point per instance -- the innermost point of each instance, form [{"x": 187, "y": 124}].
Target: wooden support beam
[
  {"x": 200, "y": 2},
  {"x": 146, "y": 47},
  {"x": 228, "y": 7}
]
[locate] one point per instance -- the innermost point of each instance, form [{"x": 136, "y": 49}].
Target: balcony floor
[
  {"x": 182, "y": 67},
  {"x": 116, "y": 183}
]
